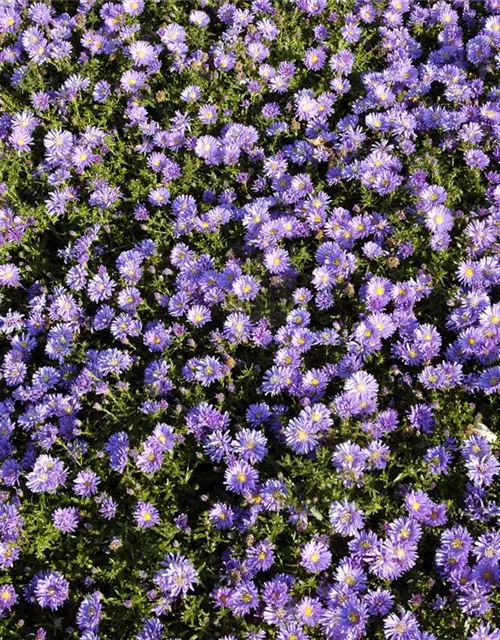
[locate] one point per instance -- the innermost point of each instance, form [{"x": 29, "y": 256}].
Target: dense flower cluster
[{"x": 249, "y": 319}]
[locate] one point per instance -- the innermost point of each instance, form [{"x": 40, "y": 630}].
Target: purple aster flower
[
  {"x": 66, "y": 519},
  {"x": 191, "y": 93},
  {"x": 150, "y": 459},
  {"x": 209, "y": 149},
  {"x": 418, "y": 504},
  {"x": 315, "y": 556},
  {"x": 476, "y": 158},
  {"x": 152, "y": 628},
  {"x": 157, "y": 336},
  {"x": 82, "y": 157},
  {"x": 178, "y": 577},
  {"x": 132, "y": 81},
  {"x": 315, "y": 59},
  {"x": 422, "y": 418},
  {"x": 101, "y": 286},
  {"x": 117, "y": 448},
  {"x": 163, "y": 437},
  {"x": 101, "y": 90},
  {"x": 47, "y": 475},
  {"x": 51, "y": 589},
  {"x": 10, "y": 472},
  {"x": 475, "y": 445},
  {"x": 482, "y": 469},
  {"x": 8, "y": 598},
  {"x": 208, "y": 114},
  {"x": 378, "y": 454},
  {"x": 89, "y": 612},
  {"x": 107, "y": 506},
  {"x": 133, "y": 7},
  {"x": 124, "y": 325},
  {"x": 346, "y": 518},
  {"x": 485, "y": 632},
  {"x": 402, "y": 627},
  {"x": 261, "y": 556},
  {"x": 198, "y": 315},
  {"x": 237, "y": 327},
  {"x": 438, "y": 219},
  {"x": 142, "y": 53},
  {"x": 159, "y": 197},
  {"x": 21, "y": 140},
  {"x": 454, "y": 549},
  {"x": 224, "y": 61},
  {"x": 277, "y": 261},
  {"x": 350, "y": 460},
  {"x": 250, "y": 445},
  {"x": 379, "y": 602},
  {"x": 301, "y": 435},
  {"x": 241, "y": 477},
  {"x": 438, "y": 459},
  {"x": 146, "y": 515},
  {"x": 221, "y": 516},
  {"x": 362, "y": 386},
  {"x": 353, "y": 617},
  {"x": 362, "y": 545},
  {"x": 9, "y": 275},
  {"x": 244, "y": 598},
  {"x": 309, "y": 611},
  {"x": 199, "y": 18},
  {"x": 86, "y": 482},
  {"x": 246, "y": 287}
]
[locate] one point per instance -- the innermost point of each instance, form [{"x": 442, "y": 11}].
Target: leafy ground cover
[{"x": 249, "y": 319}]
